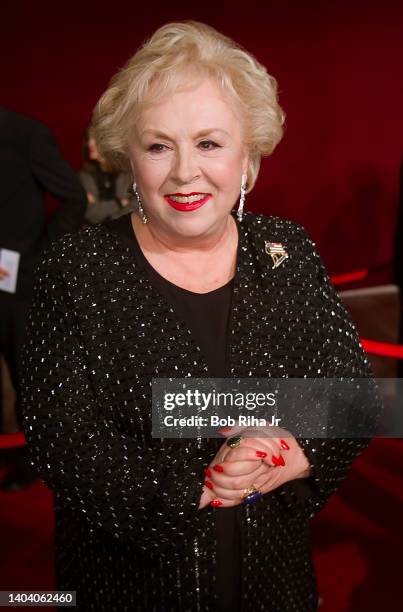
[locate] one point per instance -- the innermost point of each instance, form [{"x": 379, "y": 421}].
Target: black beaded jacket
[{"x": 129, "y": 535}]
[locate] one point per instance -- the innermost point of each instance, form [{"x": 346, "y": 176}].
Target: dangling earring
[
  {"x": 142, "y": 212},
  {"x": 242, "y": 197}
]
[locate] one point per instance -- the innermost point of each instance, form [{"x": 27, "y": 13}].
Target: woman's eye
[
  {"x": 208, "y": 145},
  {"x": 157, "y": 147}
]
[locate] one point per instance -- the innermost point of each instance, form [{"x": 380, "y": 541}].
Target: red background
[{"x": 338, "y": 65}]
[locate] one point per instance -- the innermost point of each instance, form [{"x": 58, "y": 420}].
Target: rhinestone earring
[
  {"x": 142, "y": 212},
  {"x": 242, "y": 197}
]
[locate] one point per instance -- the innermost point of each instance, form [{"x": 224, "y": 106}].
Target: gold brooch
[{"x": 276, "y": 251}]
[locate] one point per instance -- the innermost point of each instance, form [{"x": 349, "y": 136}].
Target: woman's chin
[{"x": 188, "y": 225}]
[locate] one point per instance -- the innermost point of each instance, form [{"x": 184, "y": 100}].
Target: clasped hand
[{"x": 266, "y": 461}]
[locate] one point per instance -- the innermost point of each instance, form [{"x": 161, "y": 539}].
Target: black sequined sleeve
[
  {"x": 331, "y": 458},
  {"x": 148, "y": 494}
]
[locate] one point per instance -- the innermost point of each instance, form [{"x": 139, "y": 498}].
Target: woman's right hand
[{"x": 242, "y": 473}]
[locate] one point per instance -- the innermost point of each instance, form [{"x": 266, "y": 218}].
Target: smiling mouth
[
  {"x": 187, "y": 202},
  {"x": 186, "y": 198}
]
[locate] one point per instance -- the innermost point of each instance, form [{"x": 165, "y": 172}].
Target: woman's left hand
[{"x": 284, "y": 461}]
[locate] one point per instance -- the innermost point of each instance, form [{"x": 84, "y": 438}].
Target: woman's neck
[
  {"x": 159, "y": 240},
  {"x": 198, "y": 264}
]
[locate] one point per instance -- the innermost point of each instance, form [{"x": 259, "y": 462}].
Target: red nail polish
[
  {"x": 207, "y": 472},
  {"x": 218, "y": 468},
  {"x": 215, "y": 503},
  {"x": 278, "y": 460},
  {"x": 261, "y": 454},
  {"x": 284, "y": 445},
  {"x": 208, "y": 484}
]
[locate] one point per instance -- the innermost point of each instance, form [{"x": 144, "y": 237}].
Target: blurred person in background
[
  {"x": 31, "y": 164},
  {"x": 107, "y": 190}
]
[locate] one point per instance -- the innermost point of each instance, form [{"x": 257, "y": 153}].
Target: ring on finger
[
  {"x": 234, "y": 442},
  {"x": 251, "y": 495}
]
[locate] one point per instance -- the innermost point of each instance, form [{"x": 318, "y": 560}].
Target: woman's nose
[{"x": 185, "y": 169}]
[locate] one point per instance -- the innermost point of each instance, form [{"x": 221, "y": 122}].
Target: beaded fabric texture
[{"x": 129, "y": 535}]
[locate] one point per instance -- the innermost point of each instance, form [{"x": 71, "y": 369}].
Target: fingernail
[
  {"x": 215, "y": 503},
  {"x": 261, "y": 454},
  {"x": 208, "y": 484},
  {"x": 218, "y": 468},
  {"x": 207, "y": 472},
  {"x": 224, "y": 429},
  {"x": 284, "y": 445},
  {"x": 278, "y": 460}
]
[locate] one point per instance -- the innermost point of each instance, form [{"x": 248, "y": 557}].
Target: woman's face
[{"x": 188, "y": 158}]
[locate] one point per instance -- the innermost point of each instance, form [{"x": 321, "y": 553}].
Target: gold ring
[
  {"x": 249, "y": 491},
  {"x": 234, "y": 442},
  {"x": 251, "y": 495}
]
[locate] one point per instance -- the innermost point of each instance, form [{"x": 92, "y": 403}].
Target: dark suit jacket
[{"x": 30, "y": 165}]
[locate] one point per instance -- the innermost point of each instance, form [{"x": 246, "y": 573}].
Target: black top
[{"x": 207, "y": 316}]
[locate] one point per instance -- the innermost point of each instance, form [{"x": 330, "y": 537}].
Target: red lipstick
[{"x": 187, "y": 206}]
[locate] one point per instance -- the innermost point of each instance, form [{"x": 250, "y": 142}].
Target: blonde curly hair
[{"x": 176, "y": 54}]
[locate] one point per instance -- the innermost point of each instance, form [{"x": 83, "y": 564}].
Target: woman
[
  {"x": 185, "y": 287},
  {"x": 107, "y": 190}
]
